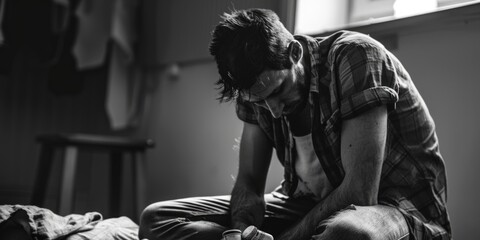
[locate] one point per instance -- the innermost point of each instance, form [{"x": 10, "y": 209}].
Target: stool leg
[
  {"x": 139, "y": 184},
  {"x": 68, "y": 180},
  {"x": 43, "y": 172},
  {"x": 116, "y": 171}
]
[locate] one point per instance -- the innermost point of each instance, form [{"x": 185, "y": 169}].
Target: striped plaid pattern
[{"x": 350, "y": 74}]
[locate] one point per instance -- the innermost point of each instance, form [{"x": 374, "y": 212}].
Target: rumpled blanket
[{"x": 45, "y": 224}]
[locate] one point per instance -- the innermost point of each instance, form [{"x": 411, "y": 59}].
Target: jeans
[{"x": 207, "y": 217}]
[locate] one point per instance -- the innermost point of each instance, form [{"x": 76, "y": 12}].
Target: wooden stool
[{"x": 70, "y": 144}]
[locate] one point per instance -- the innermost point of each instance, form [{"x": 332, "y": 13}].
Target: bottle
[
  {"x": 232, "y": 234},
  {"x": 252, "y": 233}
]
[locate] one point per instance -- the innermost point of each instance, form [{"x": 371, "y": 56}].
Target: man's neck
[{"x": 300, "y": 122}]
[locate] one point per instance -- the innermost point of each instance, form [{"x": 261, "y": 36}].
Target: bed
[{"x": 18, "y": 222}]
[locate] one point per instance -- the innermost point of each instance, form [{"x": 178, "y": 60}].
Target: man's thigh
[
  {"x": 185, "y": 219},
  {"x": 209, "y": 216},
  {"x": 364, "y": 222},
  {"x": 214, "y": 209}
]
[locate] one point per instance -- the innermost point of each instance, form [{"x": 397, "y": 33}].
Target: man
[{"x": 356, "y": 140}]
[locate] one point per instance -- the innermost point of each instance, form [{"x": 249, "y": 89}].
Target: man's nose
[{"x": 275, "y": 107}]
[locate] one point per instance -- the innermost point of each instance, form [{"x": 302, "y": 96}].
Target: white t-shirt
[{"x": 312, "y": 180}]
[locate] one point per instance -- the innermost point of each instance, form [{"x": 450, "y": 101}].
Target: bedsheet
[{"x": 44, "y": 224}]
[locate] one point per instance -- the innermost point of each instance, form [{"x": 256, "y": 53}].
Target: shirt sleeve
[
  {"x": 366, "y": 77},
  {"x": 245, "y": 111}
]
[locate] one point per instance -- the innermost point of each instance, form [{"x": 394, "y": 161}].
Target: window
[{"x": 316, "y": 16}]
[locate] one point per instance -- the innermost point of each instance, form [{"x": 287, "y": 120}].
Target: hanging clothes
[{"x": 108, "y": 32}]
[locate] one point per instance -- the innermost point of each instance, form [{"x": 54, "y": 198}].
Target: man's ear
[{"x": 295, "y": 52}]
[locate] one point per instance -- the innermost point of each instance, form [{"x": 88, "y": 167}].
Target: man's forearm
[
  {"x": 247, "y": 207},
  {"x": 304, "y": 229}
]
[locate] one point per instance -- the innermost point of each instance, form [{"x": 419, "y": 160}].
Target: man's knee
[
  {"x": 147, "y": 218},
  {"x": 152, "y": 213},
  {"x": 364, "y": 223},
  {"x": 152, "y": 217},
  {"x": 161, "y": 221},
  {"x": 345, "y": 224},
  {"x": 344, "y": 228}
]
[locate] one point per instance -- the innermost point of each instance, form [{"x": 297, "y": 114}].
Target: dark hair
[{"x": 244, "y": 44}]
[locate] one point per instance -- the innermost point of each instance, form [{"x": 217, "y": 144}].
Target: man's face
[{"x": 279, "y": 91}]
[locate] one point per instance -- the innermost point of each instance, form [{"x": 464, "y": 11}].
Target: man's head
[{"x": 255, "y": 56}]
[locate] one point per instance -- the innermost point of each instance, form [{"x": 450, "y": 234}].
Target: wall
[
  {"x": 179, "y": 30},
  {"x": 195, "y": 135}
]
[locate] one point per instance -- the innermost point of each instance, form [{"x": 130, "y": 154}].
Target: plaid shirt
[{"x": 350, "y": 74}]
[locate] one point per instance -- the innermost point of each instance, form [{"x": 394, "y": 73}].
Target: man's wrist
[{"x": 240, "y": 225}]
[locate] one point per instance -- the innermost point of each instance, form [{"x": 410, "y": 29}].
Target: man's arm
[
  {"x": 247, "y": 201},
  {"x": 362, "y": 151}
]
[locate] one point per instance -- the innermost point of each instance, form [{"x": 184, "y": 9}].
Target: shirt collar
[{"x": 314, "y": 59}]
